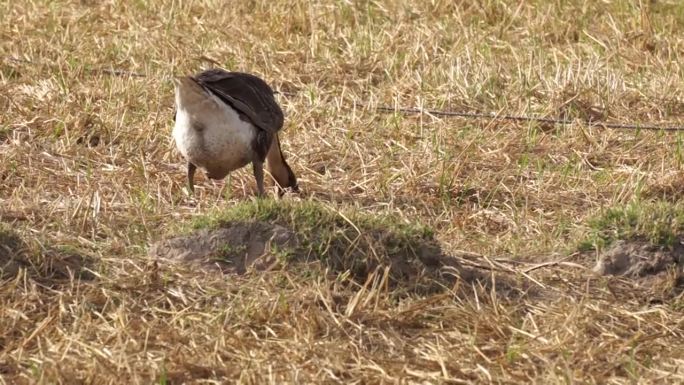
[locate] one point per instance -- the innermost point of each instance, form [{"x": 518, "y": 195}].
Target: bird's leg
[
  {"x": 258, "y": 167},
  {"x": 191, "y": 177}
]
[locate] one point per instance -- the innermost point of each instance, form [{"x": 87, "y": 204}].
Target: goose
[{"x": 226, "y": 120}]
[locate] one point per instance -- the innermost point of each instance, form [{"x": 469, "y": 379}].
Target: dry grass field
[{"x": 90, "y": 179}]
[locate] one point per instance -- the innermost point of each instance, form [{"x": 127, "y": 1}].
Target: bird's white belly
[{"x": 216, "y": 139}]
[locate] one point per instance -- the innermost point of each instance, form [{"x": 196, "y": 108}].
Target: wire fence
[{"x": 433, "y": 112}]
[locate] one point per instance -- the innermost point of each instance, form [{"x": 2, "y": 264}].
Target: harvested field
[{"x": 421, "y": 249}]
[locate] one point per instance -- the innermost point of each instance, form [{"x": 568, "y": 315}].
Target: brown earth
[
  {"x": 231, "y": 249},
  {"x": 644, "y": 263},
  {"x": 239, "y": 247}
]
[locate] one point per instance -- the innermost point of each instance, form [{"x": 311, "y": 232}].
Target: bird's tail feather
[{"x": 278, "y": 167}]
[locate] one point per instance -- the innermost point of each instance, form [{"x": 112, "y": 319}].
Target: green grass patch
[{"x": 658, "y": 222}]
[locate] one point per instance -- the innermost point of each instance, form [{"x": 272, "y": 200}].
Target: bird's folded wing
[{"x": 246, "y": 93}]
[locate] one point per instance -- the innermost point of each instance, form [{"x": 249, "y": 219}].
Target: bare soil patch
[
  {"x": 231, "y": 249},
  {"x": 643, "y": 262}
]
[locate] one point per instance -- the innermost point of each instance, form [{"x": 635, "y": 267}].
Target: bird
[{"x": 225, "y": 120}]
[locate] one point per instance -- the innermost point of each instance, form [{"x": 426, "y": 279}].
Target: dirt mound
[
  {"x": 46, "y": 266},
  {"x": 648, "y": 265},
  {"x": 237, "y": 246},
  {"x": 637, "y": 259},
  {"x": 231, "y": 249},
  {"x": 266, "y": 234},
  {"x": 11, "y": 253}
]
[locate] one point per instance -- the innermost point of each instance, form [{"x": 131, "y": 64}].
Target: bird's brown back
[{"x": 247, "y": 94}]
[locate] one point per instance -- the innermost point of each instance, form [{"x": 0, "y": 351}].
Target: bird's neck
[{"x": 191, "y": 96}]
